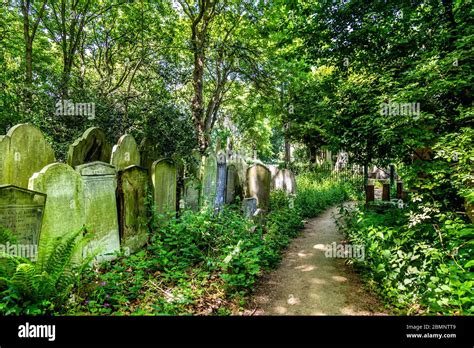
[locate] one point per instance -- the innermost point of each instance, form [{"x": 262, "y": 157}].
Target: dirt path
[{"x": 309, "y": 283}]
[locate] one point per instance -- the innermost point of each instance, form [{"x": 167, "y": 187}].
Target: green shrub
[{"x": 28, "y": 287}]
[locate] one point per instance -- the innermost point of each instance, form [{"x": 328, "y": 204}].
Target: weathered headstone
[
  {"x": 221, "y": 180},
  {"x": 209, "y": 179},
  {"x": 63, "y": 212},
  {"x": 27, "y": 152},
  {"x": 21, "y": 211},
  {"x": 92, "y": 146},
  {"x": 258, "y": 185},
  {"x": 284, "y": 180},
  {"x": 250, "y": 207},
  {"x": 234, "y": 186},
  {"x": 192, "y": 187},
  {"x": 132, "y": 186},
  {"x": 164, "y": 185},
  {"x": 100, "y": 209},
  {"x": 125, "y": 153}
]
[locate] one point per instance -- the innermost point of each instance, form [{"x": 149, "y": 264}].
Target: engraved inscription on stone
[{"x": 21, "y": 212}]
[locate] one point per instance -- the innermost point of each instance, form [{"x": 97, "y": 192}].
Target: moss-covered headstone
[
  {"x": 63, "y": 212},
  {"x": 92, "y": 146},
  {"x": 258, "y": 185},
  {"x": 209, "y": 179},
  {"x": 21, "y": 212},
  {"x": 131, "y": 200},
  {"x": 192, "y": 187},
  {"x": 234, "y": 185},
  {"x": 164, "y": 178},
  {"x": 27, "y": 152},
  {"x": 125, "y": 153},
  {"x": 100, "y": 209}
]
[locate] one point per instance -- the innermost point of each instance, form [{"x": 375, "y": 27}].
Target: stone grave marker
[
  {"x": 250, "y": 207},
  {"x": 100, "y": 209},
  {"x": 221, "y": 180},
  {"x": 92, "y": 146},
  {"x": 164, "y": 178},
  {"x": 125, "y": 153},
  {"x": 21, "y": 212},
  {"x": 192, "y": 187},
  {"x": 258, "y": 185},
  {"x": 234, "y": 185},
  {"x": 63, "y": 212},
  {"x": 209, "y": 179},
  {"x": 132, "y": 187},
  {"x": 27, "y": 152},
  {"x": 284, "y": 180}
]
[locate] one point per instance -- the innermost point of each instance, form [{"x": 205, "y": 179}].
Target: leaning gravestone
[
  {"x": 258, "y": 185},
  {"x": 100, "y": 209},
  {"x": 284, "y": 180},
  {"x": 92, "y": 146},
  {"x": 27, "y": 152},
  {"x": 164, "y": 178},
  {"x": 209, "y": 179},
  {"x": 132, "y": 187},
  {"x": 221, "y": 180},
  {"x": 250, "y": 207},
  {"x": 125, "y": 153},
  {"x": 63, "y": 212},
  {"x": 192, "y": 187},
  {"x": 21, "y": 211}
]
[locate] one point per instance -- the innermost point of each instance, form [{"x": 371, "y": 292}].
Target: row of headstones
[
  {"x": 41, "y": 200},
  {"x": 109, "y": 198}
]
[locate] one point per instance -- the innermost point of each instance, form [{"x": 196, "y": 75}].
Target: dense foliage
[{"x": 417, "y": 259}]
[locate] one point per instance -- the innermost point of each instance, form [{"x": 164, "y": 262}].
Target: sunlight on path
[{"x": 309, "y": 283}]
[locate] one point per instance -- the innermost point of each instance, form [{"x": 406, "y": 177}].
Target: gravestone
[
  {"x": 209, "y": 179},
  {"x": 92, "y": 146},
  {"x": 164, "y": 178},
  {"x": 250, "y": 207},
  {"x": 99, "y": 181},
  {"x": 284, "y": 180},
  {"x": 258, "y": 185},
  {"x": 132, "y": 185},
  {"x": 21, "y": 211},
  {"x": 192, "y": 187},
  {"x": 125, "y": 153},
  {"x": 63, "y": 212},
  {"x": 221, "y": 180},
  {"x": 27, "y": 152},
  {"x": 233, "y": 185},
  {"x": 386, "y": 192}
]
